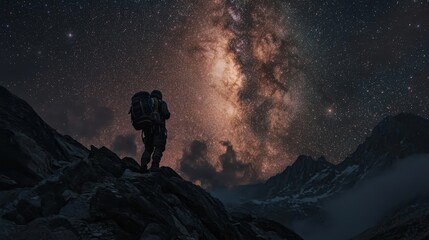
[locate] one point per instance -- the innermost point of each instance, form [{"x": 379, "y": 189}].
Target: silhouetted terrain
[
  {"x": 52, "y": 187},
  {"x": 382, "y": 187}
]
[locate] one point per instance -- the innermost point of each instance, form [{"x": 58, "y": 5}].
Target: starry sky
[{"x": 250, "y": 84}]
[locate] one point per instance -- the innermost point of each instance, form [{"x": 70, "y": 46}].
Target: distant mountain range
[
  {"x": 382, "y": 188},
  {"x": 52, "y": 187}
]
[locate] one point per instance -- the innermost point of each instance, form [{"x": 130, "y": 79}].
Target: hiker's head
[{"x": 157, "y": 94}]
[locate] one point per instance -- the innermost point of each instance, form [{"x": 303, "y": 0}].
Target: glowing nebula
[
  {"x": 255, "y": 73},
  {"x": 230, "y": 72}
]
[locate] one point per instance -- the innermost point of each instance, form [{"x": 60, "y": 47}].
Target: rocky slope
[
  {"x": 407, "y": 222},
  {"x": 303, "y": 189},
  {"x": 30, "y": 149},
  {"x": 51, "y": 187}
]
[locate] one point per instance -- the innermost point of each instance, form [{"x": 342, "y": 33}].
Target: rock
[
  {"x": 30, "y": 149},
  {"x": 54, "y": 188},
  {"x": 130, "y": 174},
  {"x": 106, "y": 162},
  {"x": 7, "y": 183},
  {"x": 158, "y": 205},
  {"x": 410, "y": 220},
  {"x": 26, "y": 209},
  {"x": 131, "y": 164},
  {"x": 251, "y": 227},
  {"x": 47, "y": 228},
  {"x": 166, "y": 171},
  {"x": 76, "y": 208},
  {"x": 8, "y": 229},
  {"x": 18, "y": 164},
  {"x": 154, "y": 231}
]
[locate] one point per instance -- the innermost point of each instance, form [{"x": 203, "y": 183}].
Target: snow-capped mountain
[{"x": 304, "y": 195}]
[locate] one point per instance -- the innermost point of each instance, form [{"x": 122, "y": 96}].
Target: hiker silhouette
[{"x": 149, "y": 114}]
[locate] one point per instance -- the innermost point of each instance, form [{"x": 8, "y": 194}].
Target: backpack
[{"x": 144, "y": 111}]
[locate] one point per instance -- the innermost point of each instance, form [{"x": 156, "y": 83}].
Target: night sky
[{"x": 250, "y": 84}]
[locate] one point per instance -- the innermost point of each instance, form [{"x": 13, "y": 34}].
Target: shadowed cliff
[{"x": 52, "y": 187}]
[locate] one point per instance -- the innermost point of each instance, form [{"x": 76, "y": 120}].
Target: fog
[{"x": 370, "y": 201}]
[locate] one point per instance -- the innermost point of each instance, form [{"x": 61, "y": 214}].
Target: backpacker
[{"x": 144, "y": 111}]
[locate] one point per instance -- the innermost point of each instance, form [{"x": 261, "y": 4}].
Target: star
[{"x": 220, "y": 71}]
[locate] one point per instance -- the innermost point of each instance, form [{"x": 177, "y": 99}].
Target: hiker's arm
[{"x": 164, "y": 110}]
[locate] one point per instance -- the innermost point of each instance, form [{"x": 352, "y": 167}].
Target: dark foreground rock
[
  {"x": 52, "y": 187},
  {"x": 30, "y": 150},
  {"x": 102, "y": 197},
  {"x": 410, "y": 221}
]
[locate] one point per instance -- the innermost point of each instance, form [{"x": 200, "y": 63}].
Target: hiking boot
[
  {"x": 154, "y": 167},
  {"x": 143, "y": 169}
]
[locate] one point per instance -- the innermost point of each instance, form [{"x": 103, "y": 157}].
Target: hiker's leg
[
  {"x": 148, "y": 150},
  {"x": 159, "y": 141}
]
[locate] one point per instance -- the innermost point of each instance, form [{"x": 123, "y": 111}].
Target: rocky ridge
[
  {"x": 30, "y": 149},
  {"x": 51, "y": 187}
]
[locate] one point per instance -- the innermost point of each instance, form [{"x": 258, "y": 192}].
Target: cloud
[
  {"x": 78, "y": 119},
  {"x": 234, "y": 171},
  {"x": 370, "y": 202},
  {"x": 125, "y": 144},
  {"x": 196, "y": 165}
]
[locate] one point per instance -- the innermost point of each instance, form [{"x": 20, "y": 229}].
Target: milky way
[
  {"x": 252, "y": 83},
  {"x": 256, "y": 73}
]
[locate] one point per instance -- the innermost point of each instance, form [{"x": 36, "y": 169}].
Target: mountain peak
[
  {"x": 303, "y": 160},
  {"x": 306, "y": 163},
  {"x": 296, "y": 174},
  {"x": 395, "y": 137},
  {"x": 383, "y": 167},
  {"x": 401, "y": 124}
]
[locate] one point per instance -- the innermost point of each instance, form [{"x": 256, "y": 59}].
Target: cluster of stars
[{"x": 78, "y": 63}]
